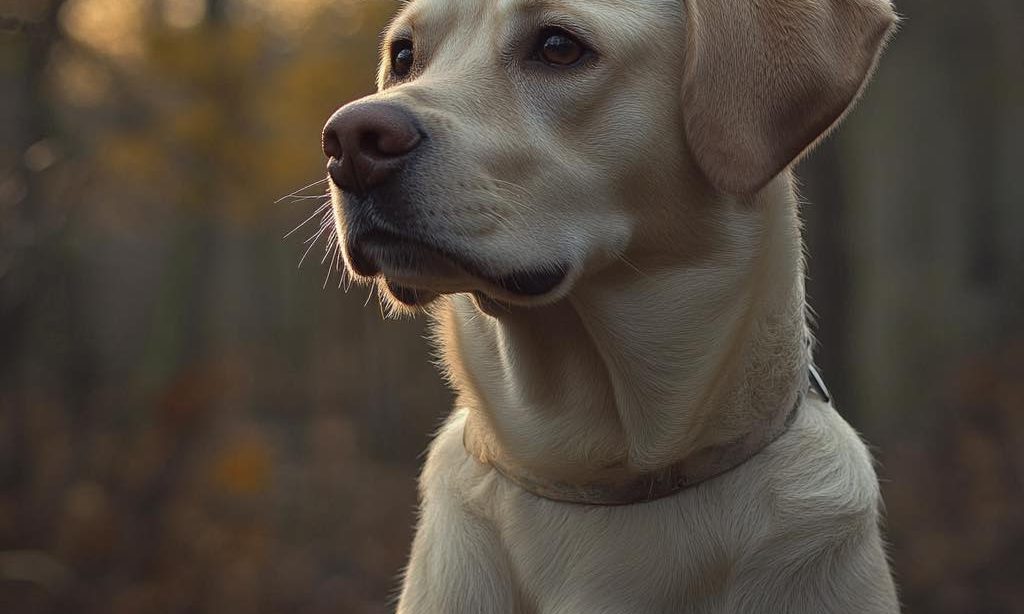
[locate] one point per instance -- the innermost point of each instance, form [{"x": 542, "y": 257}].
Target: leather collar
[{"x": 701, "y": 467}]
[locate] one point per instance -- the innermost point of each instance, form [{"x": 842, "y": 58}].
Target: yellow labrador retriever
[{"x": 593, "y": 200}]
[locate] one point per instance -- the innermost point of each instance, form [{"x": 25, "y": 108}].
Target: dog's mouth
[{"x": 417, "y": 270}]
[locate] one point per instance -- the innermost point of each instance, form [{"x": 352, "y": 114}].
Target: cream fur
[{"x": 681, "y": 321}]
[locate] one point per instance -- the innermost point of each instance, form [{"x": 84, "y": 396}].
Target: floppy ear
[{"x": 765, "y": 78}]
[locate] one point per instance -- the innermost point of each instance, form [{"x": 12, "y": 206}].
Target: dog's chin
[{"x": 416, "y": 272}]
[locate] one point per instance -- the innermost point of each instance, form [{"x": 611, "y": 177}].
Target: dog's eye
[
  {"x": 559, "y": 48},
  {"x": 402, "y": 58}
]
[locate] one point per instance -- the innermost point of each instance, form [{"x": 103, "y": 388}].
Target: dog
[{"x": 593, "y": 201}]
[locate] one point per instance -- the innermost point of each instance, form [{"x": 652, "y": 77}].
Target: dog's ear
[{"x": 764, "y": 79}]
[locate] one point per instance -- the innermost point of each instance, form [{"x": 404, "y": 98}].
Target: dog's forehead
[{"x": 614, "y": 16}]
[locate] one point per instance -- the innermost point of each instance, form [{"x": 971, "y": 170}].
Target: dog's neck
[{"x": 647, "y": 363}]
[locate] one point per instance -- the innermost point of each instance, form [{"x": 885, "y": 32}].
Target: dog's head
[{"x": 517, "y": 146}]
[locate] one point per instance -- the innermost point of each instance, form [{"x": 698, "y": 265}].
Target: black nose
[{"x": 367, "y": 143}]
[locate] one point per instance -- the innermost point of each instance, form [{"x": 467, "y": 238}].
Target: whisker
[
  {"x": 342, "y": 273},
  {"x": 303, "y": 259},
  {"x": 325, "y": 223},
  {"x": 312, "y": 242},
  {"x": 346, "y": 276},
  {"x": 515, "y": 187},
  {"x": 319, "y": 210},
  {"x": 380, "y": 303},
  {"x": 516, "y": 197},
  {"x": 328, "y": 278},
  {"x": 296, "y": 192},
  {"x": 327, "y": 252},
  {"x": 632, "y": 266},
  {"x": 500, "y": 219}
]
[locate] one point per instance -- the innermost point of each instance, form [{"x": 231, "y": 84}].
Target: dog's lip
[{"x": 416, "y": 270}]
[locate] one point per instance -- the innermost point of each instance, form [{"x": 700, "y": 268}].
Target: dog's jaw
[
  {"x": 656, "y": 364},
  {"x": 415, "y": 271},
  {"x": 415, "y": 266}
]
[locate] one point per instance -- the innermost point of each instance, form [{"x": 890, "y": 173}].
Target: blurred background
[{"x": 189, "y": 423}]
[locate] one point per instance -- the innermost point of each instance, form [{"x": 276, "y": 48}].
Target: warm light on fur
[{"x": 681, "y": 323}]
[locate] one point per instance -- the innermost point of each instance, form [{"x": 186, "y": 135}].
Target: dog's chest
[
  {"x": 486, "y": 545},
  {"x": 542, "y": 557},
  {"x": 646, "y": 559}
]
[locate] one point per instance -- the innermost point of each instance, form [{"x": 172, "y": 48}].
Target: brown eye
[
  {"x": 559, "y": 48},
  {"x": 402, "y": 58}
]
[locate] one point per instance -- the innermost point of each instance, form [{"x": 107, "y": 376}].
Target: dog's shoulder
[
  {"x": 811, "y": 494},
  {"x": 822, "y": 470},
  {"x": 813, "y": 522},
  {"x": 814, "y": 488}
]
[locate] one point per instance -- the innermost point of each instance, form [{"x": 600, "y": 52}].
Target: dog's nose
[{"x": 367, "y": 143}]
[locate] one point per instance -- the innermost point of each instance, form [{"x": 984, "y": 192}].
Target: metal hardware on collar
[
  {"x": 703, "y": 466},
  {"x": 819, "y": 385}
]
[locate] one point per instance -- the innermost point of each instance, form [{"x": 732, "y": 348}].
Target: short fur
[{"x": 655, "y": 176}]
